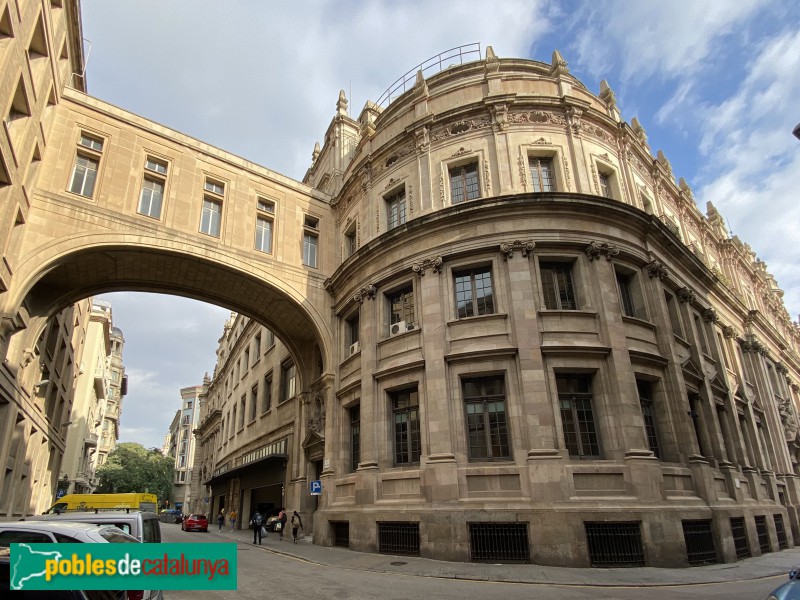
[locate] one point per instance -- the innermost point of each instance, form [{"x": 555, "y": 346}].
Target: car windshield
[
  {"x": 197, "y": 516},
  {"x": 117, "y": 536}
]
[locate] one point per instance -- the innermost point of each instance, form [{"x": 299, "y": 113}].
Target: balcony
[
  {"x": 99, "y": 384},
  {"x": 90, "y": 439}
]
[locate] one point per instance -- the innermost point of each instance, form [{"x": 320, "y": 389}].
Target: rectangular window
[
  {"x": 401, "y": 307},
  {"x": 350, "y": 242},
  {"x": 352, "y": 329},
  {"x": 84, "y": 176},
  {"x": 645, "y": 390},
  {"x": 577, "y": 418},
  {"x": 557, "y": 286},
  {"x": 157, "y": 166},
  {"x": 605, "y": 185},
  {"x": 701, "y": 333},
  {"x": 264, "y": 235},
  {"x": 310, "y": 250},
  {"x": 253, "y": 402},
  {"x": 257, "y": 348},
  {"x": 474, "y": 294},
  {"x": 215, "y": 187},
  {"x": 355, "y": 436},
  {"x": 405, "y": 412},
  {"x": 396, "y": 209},
  {"x": 267, "y": 403},
  {"x": 464, "y": 183},
  {"x": 151, "y": 198},
  {"x": 674, "y": 316},
  {"x": 211, "y": 219},
  {"x": 487, "y": 427},
  {"x": 541, "y": 174},
  {"x": 265, "y": 205},
  {"x": 288, "y": 381},
  {"x": 630, "y": 293},
  {"x": 90, "y": 142}
]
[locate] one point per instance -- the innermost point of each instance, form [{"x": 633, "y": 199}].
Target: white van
[{"x": 142, "y": 525}]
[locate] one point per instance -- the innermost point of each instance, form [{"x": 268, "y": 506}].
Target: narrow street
[{"x": 264, "y": 572}]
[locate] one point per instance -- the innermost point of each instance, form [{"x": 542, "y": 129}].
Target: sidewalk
[{"x": 769, "y": 565}]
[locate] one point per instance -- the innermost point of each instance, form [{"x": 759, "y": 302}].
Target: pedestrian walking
[
  {"x": 297, "y": 523},
  {"x": 232, "y": 517},
  {"x": 220, "y": 519},
  {"x": 255, "y": 525},
  {"x": 282, "y": 518}
]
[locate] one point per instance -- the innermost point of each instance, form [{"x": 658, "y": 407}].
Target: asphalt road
[{"x": 266, "y": 574}]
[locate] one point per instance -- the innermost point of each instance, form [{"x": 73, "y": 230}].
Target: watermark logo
[{"x": 123, "y": 567}]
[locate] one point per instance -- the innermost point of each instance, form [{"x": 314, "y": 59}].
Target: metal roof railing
[{"x": 439, "y": 62}]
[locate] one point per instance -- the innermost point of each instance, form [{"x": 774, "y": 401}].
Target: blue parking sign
[{"x": 316, "y": 488}]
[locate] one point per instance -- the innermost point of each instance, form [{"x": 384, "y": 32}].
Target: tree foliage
[{"x": 133, "y": 468}]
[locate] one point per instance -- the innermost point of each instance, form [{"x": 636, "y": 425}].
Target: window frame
[
  {"x": 354, "y": 419},
  {"x": 401, "y": 294},
  {"x": 288, "y": 381},
  {"x": 396, "y": 197},
  {"x": 490, "y": 430},
  {"x": 89, "y": 157},
  {"x": 557, "y": 294},
  {"x": 644, "y": 389},
  {"x": 630, "y": 293},
  {"x": 409, "y": 450},
  {"x": 539, "y": 179},
  {"x": 574, "y": 439},
  {"x": 476, "y": 310},
  {"x": 469, "y": 190}
]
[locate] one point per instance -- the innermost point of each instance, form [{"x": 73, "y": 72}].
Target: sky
[{"x": 716, "y": 86}]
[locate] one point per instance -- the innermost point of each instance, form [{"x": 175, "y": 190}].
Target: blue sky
[{"x": 714, "y": 84}]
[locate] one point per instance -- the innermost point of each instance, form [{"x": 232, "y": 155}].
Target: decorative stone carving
[
  {"x": 434, "y": 263},
  {"x": 558, "y": 65},
  {"x": 607, "y": 94},
  {"x": 420, "y": 86},
  {"x": 523, "y": 172},
  {"x": 686, "y": 295},
  {"x": 461, "y": 127},
  {"x": 638, "y": 131},
  {"x": 751, "y": 317},
  {"x": 595, "y": 249},
  {"x": 365, "y": 292},
  {"x": 782, "y": 368},
  {"x": 500, "y": 113},
  {"x": 422, "y": 139},
  {"x": 508, "y": 248},
  {"x": 655, "y": 269},
  {"x": 729, "y": 332},
  {"x": 788, "y": 419},
  {"x": 492, "y": 64},
  {"x": 487, "y": 178},
  {"x": 315, "y": 153},
  {"x": 341, "y": 104},
  {"x": 542, "y": 141},
  {"x": 753, "y": 345},
  {"x": 567, "y": 178},
  {"x": 460, "y": 152},
  {"x": 536, "y": 116},
  {"x": 28, "y": 354},
  {"x": 710, "y": 315},
  {"x": 574, "y": 118}
]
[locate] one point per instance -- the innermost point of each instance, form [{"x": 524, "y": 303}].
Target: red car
[{"x": 194, "y": 522}]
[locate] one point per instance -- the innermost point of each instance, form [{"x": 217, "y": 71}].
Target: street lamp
[{"x": 796, "y": 131}]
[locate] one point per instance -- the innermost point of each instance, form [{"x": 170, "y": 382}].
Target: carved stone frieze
[
  {"x": 567, "y": 178},
  {"x": 487, "y": 178},
  {"x": 542, "y": 141},
  {"x": 536, "y": 116},
  {"x": 655, "y": 269},
  {"x": 686, "y": 295},
  {"x": 508, "y": 248},
  {"x": 461, "y": 152},
  {"x": 365, "y": 292},
  {"x": 595, "y": 249},
  {"x": 434, "y": 263},
  {"x": 461, "y": 127},
  {"x": 523, "y": 172}
]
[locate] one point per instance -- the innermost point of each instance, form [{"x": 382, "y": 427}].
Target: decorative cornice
[
  {"x": 656, "y": 269},
  {"x": 710, "y": 315},
  {"x": 507, "y": 248},
  {"x": 367, "y": 291},
  {"x": 434, "y": 263},
  {"x": 595, "y": 249},
  {"x": 686, "y": 295}
]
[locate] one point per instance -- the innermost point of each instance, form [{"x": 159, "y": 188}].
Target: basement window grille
[
  {"x": 499, "y": 542},
  {"x": 763, "y": 534},
  {"x": 617, "y": 544},
  {"x": 699, "y": 539},
  {"x": 341, "y": 534},
  {"x": 739, "y": 534},
  {"x": 783, "y": 544},
  {"x": 398, "y": 538}
]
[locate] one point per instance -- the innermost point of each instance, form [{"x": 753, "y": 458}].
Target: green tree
[{"x": 133, "y": 468}]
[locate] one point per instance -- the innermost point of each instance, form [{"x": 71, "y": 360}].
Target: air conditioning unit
[
  {"x": 354, "y": 347},
  {"x": 398, "y": 328}
]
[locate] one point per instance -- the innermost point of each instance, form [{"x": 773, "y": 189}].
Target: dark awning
[{"x": 241, "y": 469}]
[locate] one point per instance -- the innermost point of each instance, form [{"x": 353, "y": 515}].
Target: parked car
[
  {"x": 195, "y": 523},
  {"x": 171, "y": 515},
  {"x": 62, "y": 531},
  {"x": 271, "y": 522},
  {"x": 142, "y": 525},
  {"x": 789, "y": 590}
]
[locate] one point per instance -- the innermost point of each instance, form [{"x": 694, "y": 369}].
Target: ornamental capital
[
  {"x": 508, "y": 248},
  {"x": 710, "y": 315},
  {"x": 656, "y": 269},
  {"x": 368, "y": 291},
  {"x": 686, "y": 295},
  {"x": 434, "y": 263},
  {"x": 729, "y": 332},
  {"x": 781, "y": 368},
  {"x": 595, "y": 249}
]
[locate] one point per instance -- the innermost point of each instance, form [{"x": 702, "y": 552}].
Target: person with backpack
[
  {"x": 282, "y": 520},
  {"x": 221, "y": 519},
  {"x": 255, "y": 525},
  {"x": 297, "y": 523}
]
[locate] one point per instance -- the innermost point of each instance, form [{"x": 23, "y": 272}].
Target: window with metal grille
[
  {"x": 398, "y": 538},
  {"x": 617, "y": 544},
  {"x": 355, "y": 436},
  {"x": 557, "y": 286},
  {"x": 405, "y": 410},
  {"x": 577, "y": 417},
  {"x": 341, "y": 534},
  {"x": 739, "y": 533},
  {"x": 474, "y": 295},
  {"x": 783, "y": 544},
  {"x": 487, "y": 427},
  {"x": 645, "y": 390},
  {"x": 396, "y": 209},
  {"x": 763, "y": 534},
  {"x": 464, "y": 183},
  {"x": 499, "y": 542},
  {"x": 699, "y": 539},
  {"x": 541, "y": 174}
]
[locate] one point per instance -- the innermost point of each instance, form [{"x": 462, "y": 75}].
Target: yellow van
[{"x": 91, "y": 502}]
